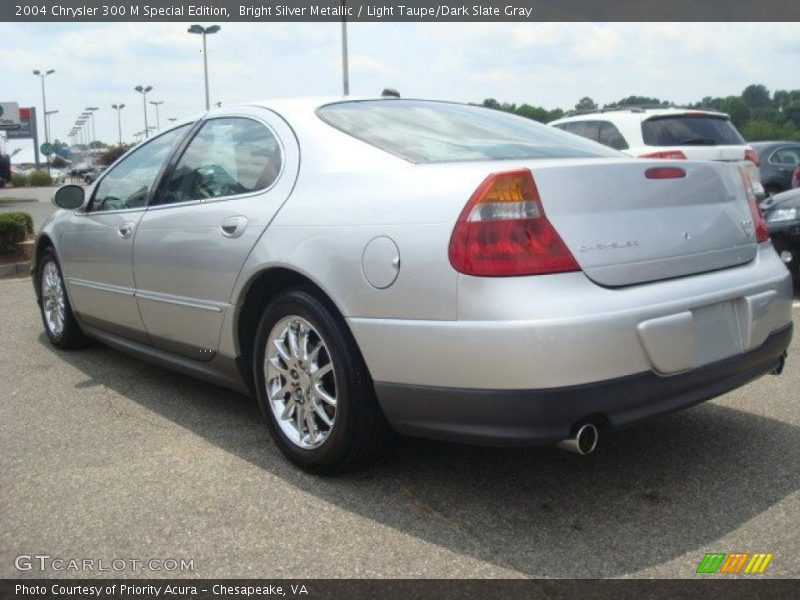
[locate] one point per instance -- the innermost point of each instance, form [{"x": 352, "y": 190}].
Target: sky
[{"x": 545, "y": 64}]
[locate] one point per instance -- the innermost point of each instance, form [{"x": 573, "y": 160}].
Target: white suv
[{"x": 667, "y": 133}]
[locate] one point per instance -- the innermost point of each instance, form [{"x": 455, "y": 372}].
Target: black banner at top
[{"x": 398, "y": 10}]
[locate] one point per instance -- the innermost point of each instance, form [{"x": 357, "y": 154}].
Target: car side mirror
[{"x": 69, "y": 197}]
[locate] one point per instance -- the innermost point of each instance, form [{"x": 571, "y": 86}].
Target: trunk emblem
[
  {"x": 747, "y": 228},
  {"x": 610, "y": 246}
]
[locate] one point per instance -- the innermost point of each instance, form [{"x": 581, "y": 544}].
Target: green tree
[
  {"x": 756, "y": 131},
  {"x": 781, "y": 99},
  {"x": 756, "y": 96},
  {"x": 736, "y": 108},
  {"x": 586, "y": 103},
  {"x": 641, "y": 101}
]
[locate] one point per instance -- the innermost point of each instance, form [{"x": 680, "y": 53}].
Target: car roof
[{"x": 636, "y": 114}]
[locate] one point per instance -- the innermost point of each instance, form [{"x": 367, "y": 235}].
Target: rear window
[
  {"x": 433, "y": 132},
  {"x": 687, "y": 130}
]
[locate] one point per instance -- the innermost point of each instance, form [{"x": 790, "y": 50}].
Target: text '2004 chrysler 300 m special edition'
[{"x": 444, "y": 270}]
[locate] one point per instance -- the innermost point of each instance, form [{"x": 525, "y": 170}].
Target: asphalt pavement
[{"x": 105, "y": 457}]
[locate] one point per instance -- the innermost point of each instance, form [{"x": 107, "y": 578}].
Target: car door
[
  {"x": 96, "y": 249},
  {"x": 785, "y": 160},
  {"x": 214, "y": 202}
]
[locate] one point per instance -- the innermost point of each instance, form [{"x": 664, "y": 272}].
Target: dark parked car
[
  {"x": 779, "y": 161},
  {"x": 782, "y": 213}
]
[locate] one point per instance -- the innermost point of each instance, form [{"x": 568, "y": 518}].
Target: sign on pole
[
  {"x": 9, "y": 115},
  {"x": 47, "y": 149},
  {"x": 24, "y": 127}
]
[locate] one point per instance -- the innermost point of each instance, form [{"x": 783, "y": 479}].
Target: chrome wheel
[
  {"x": 53, "y": 299},
  {"x": 300, "y": 382}
]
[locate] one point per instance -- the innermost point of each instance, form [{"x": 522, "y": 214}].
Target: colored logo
[{"x": 735, "y": 562}]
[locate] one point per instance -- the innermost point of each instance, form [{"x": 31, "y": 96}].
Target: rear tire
[
  {"x": 313, "y": 386},
  {"x": 59, "y": 321}
]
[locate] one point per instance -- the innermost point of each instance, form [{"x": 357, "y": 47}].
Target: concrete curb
[{"x": 20, "y": 269}]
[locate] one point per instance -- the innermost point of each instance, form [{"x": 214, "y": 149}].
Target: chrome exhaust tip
[
  {"x": 781, "y": 363},
  {"x": 583, "y": 442}
]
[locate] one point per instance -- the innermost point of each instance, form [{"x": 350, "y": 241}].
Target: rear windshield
[
  {"x": 686, "y": 130},
  {"x": 433, "y": 132}
]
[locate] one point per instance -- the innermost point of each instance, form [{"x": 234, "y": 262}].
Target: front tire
[
  {"x": 59, "y": 321},
  {"x": 313, "y": 386}
]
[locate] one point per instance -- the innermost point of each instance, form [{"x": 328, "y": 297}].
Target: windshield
[
  {"x": 690, "y": 130},
  {"x": 432, "y": 132}
]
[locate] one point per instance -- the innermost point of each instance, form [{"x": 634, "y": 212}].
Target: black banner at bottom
[{"x": 711, "y": 587}]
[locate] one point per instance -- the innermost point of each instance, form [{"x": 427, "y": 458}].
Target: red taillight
[
  {"x": 665, "y": 173},
  {"x": 751, "y": 155},
  {"x": 762, "y": 233},
  {"x": 796, "y": 179},
  {"x": 503, "y": 231},
  {"x": 672, "y": 154}
]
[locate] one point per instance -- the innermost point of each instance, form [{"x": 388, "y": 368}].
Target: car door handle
[
  {"x": 125, "y": 230},
  {"x": 233, "y": 227}
]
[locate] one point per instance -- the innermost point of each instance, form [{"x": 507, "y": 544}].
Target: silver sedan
[{"x": 439, "y": 269}]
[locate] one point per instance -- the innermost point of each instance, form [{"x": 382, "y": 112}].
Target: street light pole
[
  {"x": 41, "y": 76},
  {"x": 93, "y": 134},
  {"x": 118, "y": 108},
  {"x": 143, "y": 91},
  {"x": 47, "y": 118},
  {"x": 204, "y": 31},
  {"x": 158, "y": 121}
]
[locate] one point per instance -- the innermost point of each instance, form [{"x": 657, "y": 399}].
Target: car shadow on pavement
[{"x": 654, "y": 492}]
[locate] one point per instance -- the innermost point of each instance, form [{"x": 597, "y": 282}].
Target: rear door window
[
  {"x": 587, "y": 129},
  {"x": 228, "y": 156},
  {"x": 690, "y": 130},
  {"x": 610, "y": 136},
  {"x": 789, "y": 155}
]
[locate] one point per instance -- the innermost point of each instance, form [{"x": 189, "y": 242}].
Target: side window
[
  {"x": 787, "y": 156},
  {"x": 128, "y": 184},
  {"x": 228, "y": 156},
  {"x": 588, "y": 129},
  {"x": 610, "y": 136}
]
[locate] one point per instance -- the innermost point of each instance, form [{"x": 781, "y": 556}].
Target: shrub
[
  {"x": 12, "y": 232},
  {"x": 19, "y": 179},
  {"x": 24, "y": 218},
  {"x": 40, "y": 178}
]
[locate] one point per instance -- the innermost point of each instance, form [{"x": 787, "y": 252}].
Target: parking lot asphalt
[{"x": 103, "y": 456}]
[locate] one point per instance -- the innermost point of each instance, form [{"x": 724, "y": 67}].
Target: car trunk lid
[{"x": 624, "y": 228}]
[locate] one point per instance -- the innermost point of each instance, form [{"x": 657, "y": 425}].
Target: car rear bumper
[{"x": 542, "y": 416}]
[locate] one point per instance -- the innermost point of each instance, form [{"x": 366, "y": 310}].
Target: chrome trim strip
[
  {"x": 103, "y": 287},
  {"x": 177, "y": 300}
]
